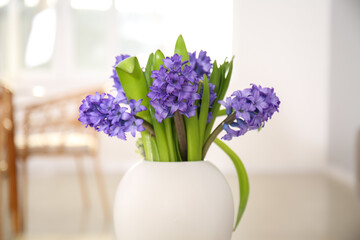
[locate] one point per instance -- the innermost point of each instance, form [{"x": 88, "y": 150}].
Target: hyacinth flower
[
  {"x": 247, "y": 110},
  {"x": 201, "y": 64},
  {"x": 104, "y": 113},
  {"x": 174, "y": 89},
  {"x": 174, "y": 103}
]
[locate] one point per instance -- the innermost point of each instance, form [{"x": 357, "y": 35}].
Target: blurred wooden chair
[
  {"x": 8, "y": 161},
  {"x": 51, "y": 128}
]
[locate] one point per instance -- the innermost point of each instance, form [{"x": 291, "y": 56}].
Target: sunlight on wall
[
  {"x": 205, "y": 25},
  {"x": 42, "y": 38},
  {"x": 91, "y": 4},
  {"x": 38, "y": 91},
  {"x": 31, "y": 3},
  {"x": 3, "y": 3}
]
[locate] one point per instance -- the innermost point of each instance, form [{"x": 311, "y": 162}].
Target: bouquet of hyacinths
[{"x": 174, "y": 103}]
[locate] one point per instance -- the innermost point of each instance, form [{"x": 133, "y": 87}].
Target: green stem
[
  {"x": 181, "y": 135},
  {"x": 162, "y": 144},
  {"x": 216, "y": 132},
  {"x": 243, "y": 179},
  {"x": 154, "y": 149},
  {"x": 170, "y": 139},
  {"x": 149, "y": 151},
  {"x": 176, "y": 142}
]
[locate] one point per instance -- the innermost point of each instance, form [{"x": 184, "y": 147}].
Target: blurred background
[{"x": 58, "y": 180}]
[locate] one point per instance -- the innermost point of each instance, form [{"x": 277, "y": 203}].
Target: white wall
[
  {"x": 344, "y": 86},
  {"x": 285, "y": 44}
]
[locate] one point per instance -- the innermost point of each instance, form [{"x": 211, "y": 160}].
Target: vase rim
[{"x": 160, "y": 162}]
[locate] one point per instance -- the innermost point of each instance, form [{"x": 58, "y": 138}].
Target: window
[
  {"x": 90, "y": 38},
  {"x": 37, "y": 27},
  {"x": 40, "y": 44},
  {"x": 4, "y": 38},
  {"x": 76, "y": 40}
]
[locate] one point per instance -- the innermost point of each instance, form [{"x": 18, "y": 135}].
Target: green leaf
[
  {"x": 215, "y": 76},
  {"x": 228, "y": 67},
  {"x": 242, "y": 179},
  {"x": 204, "y": 110},
  {"x": 148, "y": 69},
  {"x": 134, "y": 84},
  {"x": 158, "y": 59},
  {"x": 180, "y": 49},
  {"x": 193, "y": 138},
  {"x": 221, "y": 112}
]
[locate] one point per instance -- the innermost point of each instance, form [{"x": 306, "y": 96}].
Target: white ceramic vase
[{"x": 173, "y": 201}]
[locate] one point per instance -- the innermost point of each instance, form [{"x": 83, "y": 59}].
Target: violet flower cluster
[
  {"x": 201, "y": 64},
  {"x": 117, "y": 85},
  {"x": 253, "y": 107},
  {"x": 103, "y": 113},
  {"x": 174, "y": 89}
]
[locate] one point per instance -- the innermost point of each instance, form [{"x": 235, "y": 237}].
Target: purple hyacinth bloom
[
  {"x": 212, "y": 94},
  {"x": 174, "y": 63},
  {"x": 258, "y": 99},
  {"x": 209, "y": 118},
  {"x": 133, "y": 125},
  {"x": 230, "y": 133},
  {"x": 103, "y": 113},
  {"x": 136, "y": 106},
  {"x": 117, "y": 85},
  {"x": 253, "y": 107},
  {"x": 227, "y": 104},
  {"x": 201, "y": 65},
  {"x": 174, "y": 89}
]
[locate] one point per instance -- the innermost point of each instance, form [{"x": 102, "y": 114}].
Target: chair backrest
[
  {"x": 52, "y": 127},
  {"x": 6, "y": 122},
  {"x": 8, "y": 153}
]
